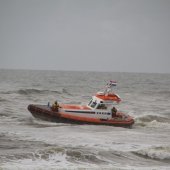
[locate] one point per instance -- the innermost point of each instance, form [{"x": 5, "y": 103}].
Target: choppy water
[{"x": 27, "y": 143}]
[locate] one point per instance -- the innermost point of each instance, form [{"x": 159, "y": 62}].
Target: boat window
[
  {"x": 93, "y": 104},
  {"x": 101, "y": 106},
  {"x": 90, "y": 102}
]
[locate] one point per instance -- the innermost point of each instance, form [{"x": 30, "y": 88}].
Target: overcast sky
[{"x": 91, "y": 35}]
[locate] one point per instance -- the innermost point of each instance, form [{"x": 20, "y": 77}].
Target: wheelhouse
[{"x": 99, "y": 104}]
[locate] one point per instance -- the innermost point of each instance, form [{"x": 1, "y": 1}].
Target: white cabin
[{"x": 102, "y": 104}]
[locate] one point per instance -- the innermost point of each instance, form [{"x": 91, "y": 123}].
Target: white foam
[
  {"x": 54, "y": 161},
  {"x": 161, "y": 153},
  {"x": 152, "y": 120},
  {"x": 156, "y": 124}
]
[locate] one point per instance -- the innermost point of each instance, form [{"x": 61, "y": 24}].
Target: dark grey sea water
[{"x": 28, "y": 143}]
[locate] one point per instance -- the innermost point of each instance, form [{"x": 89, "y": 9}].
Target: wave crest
[
  {"x": 3, "y": 100},
  {"x": 158, "y": 153},
  {"x": 152, "y": 121},
  {"x": 31, "y": 91}
]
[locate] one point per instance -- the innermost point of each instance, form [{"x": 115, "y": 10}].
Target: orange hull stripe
[{"x": 91, "y": 120}]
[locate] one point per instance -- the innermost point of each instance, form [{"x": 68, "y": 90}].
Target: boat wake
[
  {"x": 153, "y": 121},
  {"x": 38, "y": 123}
]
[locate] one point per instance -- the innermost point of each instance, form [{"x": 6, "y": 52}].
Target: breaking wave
[
  {"x": 149, "y": 118},
  {"x": 152, "y": 121},
  {"x": 158, "y": 153},
  {"x": 58, "y": 156}
]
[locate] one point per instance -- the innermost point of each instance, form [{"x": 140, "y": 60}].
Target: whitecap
[{"x": 158, "y": 153}]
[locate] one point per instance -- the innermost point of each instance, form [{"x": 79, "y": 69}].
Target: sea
[{"x": 28, "y": 143}]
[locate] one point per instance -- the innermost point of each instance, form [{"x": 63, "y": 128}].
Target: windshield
[
  {"x": 93, "y": 104},
  {"x": 90, "y": 102},
  {"x": 101, "y": 106}
]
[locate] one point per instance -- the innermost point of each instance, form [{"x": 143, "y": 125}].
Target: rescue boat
[{"x": 100, "y": 111}]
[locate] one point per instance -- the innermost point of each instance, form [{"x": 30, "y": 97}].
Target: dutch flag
[{"x": 112, "y": 83}]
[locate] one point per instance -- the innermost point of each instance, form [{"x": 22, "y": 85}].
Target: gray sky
[{"x": 92, "y": 35}]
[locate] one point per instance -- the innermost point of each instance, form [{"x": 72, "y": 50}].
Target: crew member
[
  {"x": 114, "y": 111},
  {"x": 55, "y": 106}
]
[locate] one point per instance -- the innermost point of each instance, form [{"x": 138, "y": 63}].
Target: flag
[{"x": 112, "y": 83}]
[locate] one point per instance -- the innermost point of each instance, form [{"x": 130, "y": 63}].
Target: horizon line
[{"x": 97, "y": 71}]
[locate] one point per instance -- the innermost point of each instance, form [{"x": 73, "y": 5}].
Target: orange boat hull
[{"x": 44, "y": 112}]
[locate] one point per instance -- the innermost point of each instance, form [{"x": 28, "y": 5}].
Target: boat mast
[{"x": 109, "y": 87}]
